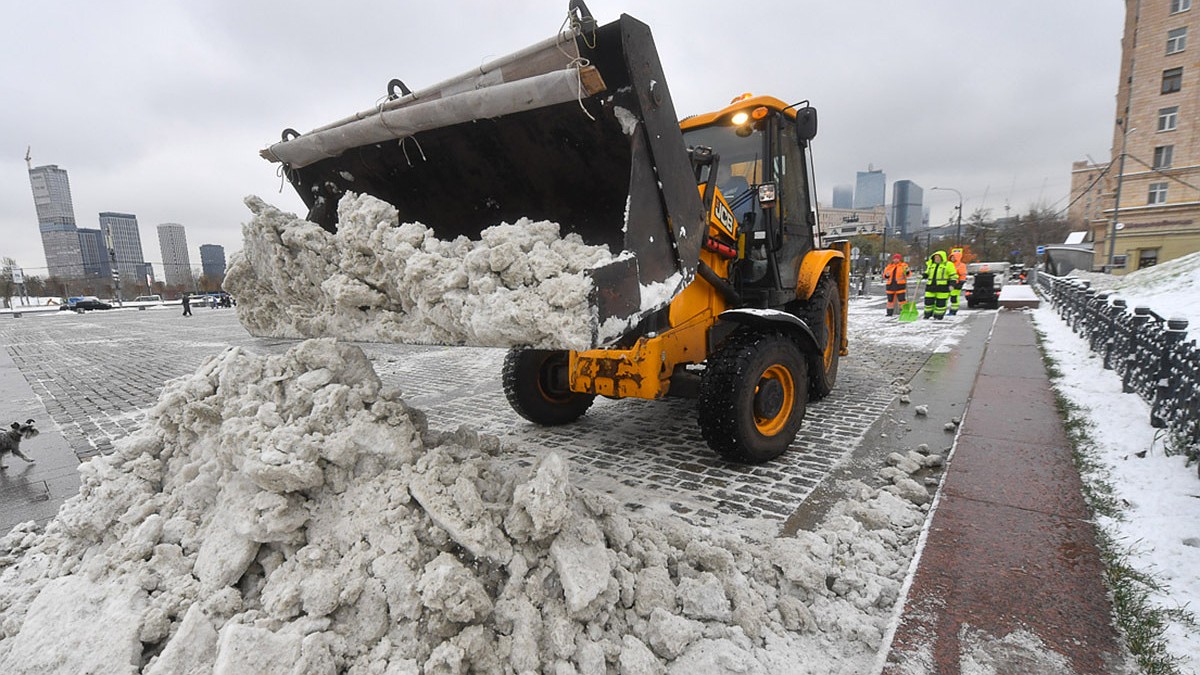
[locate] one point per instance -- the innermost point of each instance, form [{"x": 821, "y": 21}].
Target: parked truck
[
  {"x": 581, "y": 130},
  {"x": 983, "y": 284}
]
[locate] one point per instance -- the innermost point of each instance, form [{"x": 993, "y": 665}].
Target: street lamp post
[{"x": 958, "y": 228}]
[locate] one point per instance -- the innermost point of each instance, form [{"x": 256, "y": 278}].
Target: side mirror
[{"x": 806, "y": 123}]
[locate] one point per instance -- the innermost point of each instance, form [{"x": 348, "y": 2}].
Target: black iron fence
[{"x": 1150, "y": 353}]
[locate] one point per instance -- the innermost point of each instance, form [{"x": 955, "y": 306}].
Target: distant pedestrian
[
  {"x": 187, "y": 304},
  {"x": 960, "y": 269},
  {"x": 939, "y": 275},
  {"x": 895, "y": 279}
]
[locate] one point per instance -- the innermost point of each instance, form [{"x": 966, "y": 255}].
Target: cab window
[{"x": 789, "y": 174}]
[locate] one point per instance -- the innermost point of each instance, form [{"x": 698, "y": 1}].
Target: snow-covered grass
[
  {"x": 1169, "y": 289},
  {"x": 1145, "y": 495}
]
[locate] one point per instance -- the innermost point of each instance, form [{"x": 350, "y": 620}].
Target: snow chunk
[
  {"x": 450, "y": 588},
  {"x": 583, "y": 564},
  {"x": 248, "y": 649},
  {"x": 191, "y": 651},
  {"x": 628, "y": 120},
  {"x": 79, "y": 626}
]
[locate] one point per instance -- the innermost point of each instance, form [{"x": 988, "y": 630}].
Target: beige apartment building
[
  {"x": 1156, "y": 144},
  {"x": 1088, "y": 193}
]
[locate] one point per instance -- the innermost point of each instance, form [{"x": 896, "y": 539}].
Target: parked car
[
  {"x": 148, "y": 298},
  {"x": 85, "y": 303}
]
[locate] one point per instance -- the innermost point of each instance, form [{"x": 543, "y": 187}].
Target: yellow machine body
[{"x": 645, "y": 369}]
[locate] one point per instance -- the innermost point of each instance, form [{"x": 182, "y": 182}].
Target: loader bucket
[{"x": 579, "y": 130}]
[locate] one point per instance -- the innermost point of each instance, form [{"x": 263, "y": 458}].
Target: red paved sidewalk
[{"x": 1010, "y": 553}]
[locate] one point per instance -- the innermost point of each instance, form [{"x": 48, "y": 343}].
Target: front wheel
[
  {"x": 823, "y": 314},
  {"x": 535, "y": 384},
  {"x": 753, "y": 396}
]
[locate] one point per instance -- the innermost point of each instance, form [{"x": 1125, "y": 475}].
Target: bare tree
[{"x": 1039, "y": 226}]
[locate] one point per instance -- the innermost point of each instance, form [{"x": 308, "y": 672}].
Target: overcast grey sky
[{"x": 159, "y": 107}]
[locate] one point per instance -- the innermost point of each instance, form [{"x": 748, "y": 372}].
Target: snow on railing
[{"x": 1148, "y": 352}]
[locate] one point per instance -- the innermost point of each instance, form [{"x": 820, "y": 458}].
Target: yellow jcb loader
[{"x": 719, "y": 209}]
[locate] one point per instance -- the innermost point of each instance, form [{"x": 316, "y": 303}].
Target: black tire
[
  {"x": 535, "y": 384},
  {"x": 972, "y": 304},
  {"x": 823, "y": 314},
  {"x": 753, "y": 396}
]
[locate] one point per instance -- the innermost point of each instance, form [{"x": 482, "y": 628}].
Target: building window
[
  {"x": 1147, "y": 257},
  {"x": 1176, "y": 40},
  {"x": 1168, "y": 118},
  {"x": 1178, "y": 6},
  {"x": 1158, "y": 193},
  {"x": 1162, "y": 156},
  {"x": 1172, "y": 80}
]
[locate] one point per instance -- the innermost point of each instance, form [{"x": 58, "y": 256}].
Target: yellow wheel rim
[
  {"x": 775, "y": 418},
  {"x": 830, "y": 335}
]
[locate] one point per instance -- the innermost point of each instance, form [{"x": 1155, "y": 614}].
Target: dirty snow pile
[
  {"x": 380, "y": 280},
  {"x": 288, "y": 514}
]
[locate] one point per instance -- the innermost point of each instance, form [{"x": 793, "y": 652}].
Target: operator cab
[{"x": 763, "y": 171}]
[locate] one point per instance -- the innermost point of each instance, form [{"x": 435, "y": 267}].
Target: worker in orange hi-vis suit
[
  {"x": 895, "y": 279},
  {"x": 956, "y": 288}
]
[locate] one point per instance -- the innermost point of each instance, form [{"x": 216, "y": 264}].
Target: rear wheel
[
  {"x": 823, "y": 314},
  {"x": 535, "y": 384},
  {"x": 753, "y": 396}
]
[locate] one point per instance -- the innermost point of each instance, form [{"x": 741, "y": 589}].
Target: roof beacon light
[{"x": 743, "y": 97}]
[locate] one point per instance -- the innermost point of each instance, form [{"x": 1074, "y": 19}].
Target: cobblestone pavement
[{"x": 98, "y": 373}]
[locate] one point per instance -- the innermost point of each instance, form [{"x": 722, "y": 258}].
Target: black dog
[{"x": 10, "y": 441}]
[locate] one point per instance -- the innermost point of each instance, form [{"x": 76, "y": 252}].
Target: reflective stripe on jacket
[{"x": 939, "y": 275}]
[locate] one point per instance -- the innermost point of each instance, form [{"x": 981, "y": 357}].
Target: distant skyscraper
[
  {"x": 212, "y": 260},
  {"x": 122, "y": 236},
  {"x": 177, "y": 266},
  {"x": 907, "y": 199},
  {"x": 871, "y": 189},
  {"x": 843, "y": 196},
  {"x": 56, "y": 221},
  {"x": 95, "y": 253}
]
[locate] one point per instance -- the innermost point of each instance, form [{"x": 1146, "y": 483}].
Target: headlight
[
  {"x": 740, "y": 118},
  {"x": 766, "y": 193}
]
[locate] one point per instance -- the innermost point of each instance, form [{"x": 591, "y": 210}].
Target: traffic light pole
[{"x": 116, "y": 277}]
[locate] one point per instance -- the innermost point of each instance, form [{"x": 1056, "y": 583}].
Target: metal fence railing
[{"x": 1150, "y": 353}]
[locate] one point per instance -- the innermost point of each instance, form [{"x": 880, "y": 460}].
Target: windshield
[{"x": 741, "y": 165}]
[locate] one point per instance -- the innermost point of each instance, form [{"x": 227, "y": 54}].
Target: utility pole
[{"x": 1112, "y": 228}]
